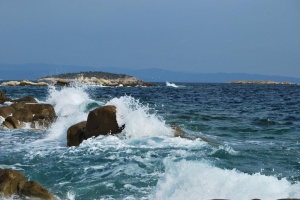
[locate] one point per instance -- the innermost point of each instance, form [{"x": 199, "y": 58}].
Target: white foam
[
  {"x": 138, "y": 120},
  {"x": 69, "y": 104},
  {"x": 168, "y": 84},
  {"x": 1, "y": 119},
  {"x": 191, "y": 180}
]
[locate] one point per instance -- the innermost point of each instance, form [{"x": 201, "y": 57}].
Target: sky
[{"x": 206, "y": 36}]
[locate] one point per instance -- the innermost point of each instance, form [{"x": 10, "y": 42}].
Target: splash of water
[
  {"x": 70, "y": 105},
  {"x": 138, "y": 120},
  {"x": 168, "y": 84}
]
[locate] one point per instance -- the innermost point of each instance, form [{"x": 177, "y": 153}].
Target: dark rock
[
  {"x": 6, "y": 111},
  {"x": 13, "y": 182},
  {"x": 18, "y": 105},
  {"x": 42, "y": 111},
  {"x": 102, "y": 121},
  {"x": 76, "y": 134},
  {"x": 27, "y": 99},
  {"x": 23, "y": 114},
  {"x": 3, "y": 97},
  {"x": 178, "y": 132},
  {"x": 62, "y": 83},
  {"x": 33, "y": 189},
  {"x": 11, "y": 122},
  {"x": 44, "y": 115}
]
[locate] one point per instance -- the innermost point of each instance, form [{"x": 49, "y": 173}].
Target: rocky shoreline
[
  {"x": 268, "y": 82},
  {"x": 83, "y": 78}
]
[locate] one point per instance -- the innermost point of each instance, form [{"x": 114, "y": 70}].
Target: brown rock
[
  {"x": 6, "y": 111},
  {"x": 10, "y": 181},
  {"x": 23, "y": 114},
  {"x": 62, "y": 83},
  {"x": 102, "y": 121},
  {"x": 3, "y": 97},
  {"x": 27, "y": 99},
  {"x": 13, "y": 182},
  {"x": 33, "y": 189},
  {"x": 11, "y": 122},
  {"x": 76, "y": 134},
  {"x": 18, "y": 105},
  {"x": 43, "y": 111}
]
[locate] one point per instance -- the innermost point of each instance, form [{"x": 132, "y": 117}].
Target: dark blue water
[{"x": 243, "y": 143}]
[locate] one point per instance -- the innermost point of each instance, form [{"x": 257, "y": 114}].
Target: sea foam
[{"x": 191, "y": 180}]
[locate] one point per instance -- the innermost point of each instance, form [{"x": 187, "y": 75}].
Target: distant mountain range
[{"x": 36, "y": 71}]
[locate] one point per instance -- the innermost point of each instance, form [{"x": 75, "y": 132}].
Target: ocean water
[{"x": 243, "y": 143}]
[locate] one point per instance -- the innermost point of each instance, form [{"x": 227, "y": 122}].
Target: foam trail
[
  {"x": 191, "y": 180},
  {"x": 70, "y": 106},
  {"x": 168, "y": 84},
  {"x": 138, "y": 120}
]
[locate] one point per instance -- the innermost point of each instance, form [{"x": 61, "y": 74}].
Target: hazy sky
[{"x": 251, "y": 36}]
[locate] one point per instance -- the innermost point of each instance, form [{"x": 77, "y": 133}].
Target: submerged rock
[{"x": 13, "y": 182}]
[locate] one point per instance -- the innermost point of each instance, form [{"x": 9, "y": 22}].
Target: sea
[{"x": 242, "y": 142}]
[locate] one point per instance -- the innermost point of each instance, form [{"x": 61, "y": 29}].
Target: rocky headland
[
  {"x": 268, "y": 82},
  {"x": 83, "y": 78},
  {"x": 95, "y": 78}
]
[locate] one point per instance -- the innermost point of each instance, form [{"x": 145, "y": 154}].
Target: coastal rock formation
[
  {"x": 95, "y": 78},
  {"x": 27, "y": 99},
  {"x": 13, "y": 182},
  {"x": 76, "y": 134},
  {"x": 100, "y": 121},
  {"x": 24, "y": 83},
  {"x": 27, "y": 110},
  {"x": 260, "y": 82},
  {"x": 6, "y": 111},
  {"x": 3, "y": 97},
  {"x": 82, "y": 78}
]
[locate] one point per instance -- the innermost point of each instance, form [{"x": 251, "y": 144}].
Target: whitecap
[{"x": 191, "y": 180}]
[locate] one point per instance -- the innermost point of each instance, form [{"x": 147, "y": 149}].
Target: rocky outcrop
[
  {"x": 95, "y": 78},
  {"x": 27, "y": 99},
  {"x": 12, "y": 123},
  {"x": 100, "y": 121},
  {"x": 76, "y": 134},
  {"x": 6, "y": 111},
  {"x": 3, "y": 97},
  {"x": 13, "y": 182},
  {"x": 27, "y": 110},
  {"x": 261, "y": 82},
  {"x": 24, "y": 83}
]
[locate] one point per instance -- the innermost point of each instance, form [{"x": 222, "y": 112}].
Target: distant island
[
  {"x": 84, "y": 78},
  {"x": 260, "y": 82}
]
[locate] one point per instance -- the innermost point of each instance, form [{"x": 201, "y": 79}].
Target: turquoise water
[{"x": 253, "y": 150}]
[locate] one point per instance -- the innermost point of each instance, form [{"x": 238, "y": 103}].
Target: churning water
[{"x": 243, "y": 143}]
